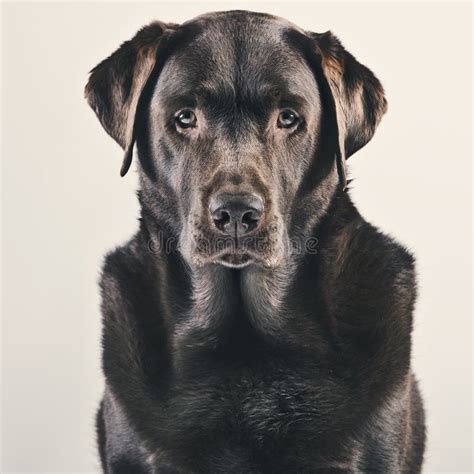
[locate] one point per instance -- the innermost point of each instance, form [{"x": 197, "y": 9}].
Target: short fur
[{"x": 293, "y": 356}]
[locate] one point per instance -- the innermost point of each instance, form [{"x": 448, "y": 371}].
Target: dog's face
[
  {"x": 233, "y": 119},
  {"x": 241, "y": 122}
]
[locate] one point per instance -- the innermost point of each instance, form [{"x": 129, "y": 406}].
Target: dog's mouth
[
  {"x": 231, "y": 253},
  {"x": 234, "y": 259},
  {"x": 239, "y": 256}
]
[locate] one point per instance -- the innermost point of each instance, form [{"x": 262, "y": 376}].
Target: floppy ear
[
  {"x": 117, "y": 83},
  {"x": 355, "y": 95}
]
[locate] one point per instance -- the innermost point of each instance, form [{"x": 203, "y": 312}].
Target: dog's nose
[{"x": 236, "y": 214}]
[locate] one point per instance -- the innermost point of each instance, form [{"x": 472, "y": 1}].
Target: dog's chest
[{"x": 265, "y": 403}]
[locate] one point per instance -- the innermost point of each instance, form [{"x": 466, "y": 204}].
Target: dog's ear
[
  {"x": 354, "y": 94},
  {"x": 117, "y": 83}
]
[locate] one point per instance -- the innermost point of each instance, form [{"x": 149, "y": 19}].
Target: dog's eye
[
  {"x": 287, "y": 119},
  {"x": 186, "y": 119}
]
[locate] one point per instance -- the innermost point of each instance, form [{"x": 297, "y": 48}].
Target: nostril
[
  {"x": 250, "y": 219},
  {"x": 221, "y": 218}
]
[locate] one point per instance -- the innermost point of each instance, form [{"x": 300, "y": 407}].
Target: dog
[{"x": 255, "y": 323}]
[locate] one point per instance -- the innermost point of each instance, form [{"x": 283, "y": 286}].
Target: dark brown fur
[{"x": 289, "y": 352}]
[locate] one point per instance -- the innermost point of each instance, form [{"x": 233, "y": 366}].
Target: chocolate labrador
[{"x": 255, "y": 323}]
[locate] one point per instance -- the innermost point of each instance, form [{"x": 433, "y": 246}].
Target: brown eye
[
  {"x": 287, "y": 119},
  {"x": 186, "y": 119}
]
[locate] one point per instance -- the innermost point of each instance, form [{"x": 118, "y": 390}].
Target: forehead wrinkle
[
  {"x": 295, "y": 86},
  {"x": 244, "y": 64},
  {"x": 225, "y": 51}
]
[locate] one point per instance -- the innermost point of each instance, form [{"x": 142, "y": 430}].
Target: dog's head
[{"x": 242, "y": 122}]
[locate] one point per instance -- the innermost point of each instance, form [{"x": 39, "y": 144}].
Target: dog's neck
[
  {"x": 214, "y": 298},
  {"x": 217, "y": 298}
]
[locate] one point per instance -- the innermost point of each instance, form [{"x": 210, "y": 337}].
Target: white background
[{"x": 64, "y": 206}]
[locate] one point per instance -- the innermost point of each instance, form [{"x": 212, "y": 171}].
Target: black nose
[{"x": 236, "y": 214}]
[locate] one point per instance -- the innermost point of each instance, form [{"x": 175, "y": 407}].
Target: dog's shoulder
[
  {"x": 369, "y": 290},
  {"x": 130, "y": 290},
  {"x": 133, "y": 336},
  {"x": 124, "y": 271},
  {"x": 370, "y": 272},
  {"x": 375, "y": 259}
]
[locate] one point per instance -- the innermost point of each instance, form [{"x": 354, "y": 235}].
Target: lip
[
  {"x": 235, "y": 260},
  {"x": 233, "y": 254}
]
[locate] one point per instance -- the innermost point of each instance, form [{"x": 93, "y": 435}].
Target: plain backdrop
[{"x": 64, "y": 206}]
